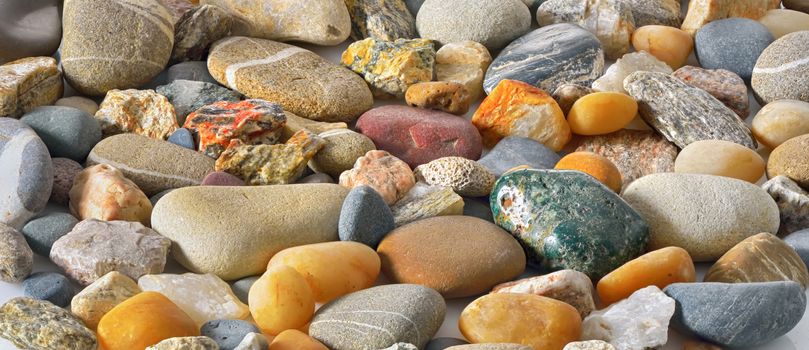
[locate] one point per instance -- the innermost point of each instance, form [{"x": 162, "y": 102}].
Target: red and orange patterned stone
[
  {"x": 515, "y": 108},
  {"x": 254, "y": 122},
  {"x": 391, "y": 177}
]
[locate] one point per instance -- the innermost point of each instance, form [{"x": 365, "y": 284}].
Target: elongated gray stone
[
  {"x": 610, "y": 20},
  {"x": 793, "y": 203},
  {"x": 26, "y": 173},
  {"x": 683, "y": 113}
]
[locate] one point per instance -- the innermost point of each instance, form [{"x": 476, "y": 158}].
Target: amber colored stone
[
  {"x": 527, "y": 319},
  {"x": 440, "y": 95},
  {"x": 659, "y": 268},
  {"x": 594, "y": 165},
  {"x": 668, "y": 44},
  {"x": 780, "y": 121},
  {"x": 760, "y": 258},
  {"x": 332, "y": 269},
  {"x": 294, "y": 339},
  {"x": 143, "y": 320},
  {"x": 720, "y": 158},
  {"x": 601, "y": 113},
  {"x": 280, "y": 300},
  {"x": 515, "y": 108}
]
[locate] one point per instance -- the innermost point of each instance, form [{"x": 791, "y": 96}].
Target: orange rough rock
[
  {"x": 142, "y": 321},
  {"x": 659, "y": 268},
  {"x": 602, "y": 113},
  {"x": 294, "y": 339},
  {"x": 594, "y": 165},
  {"x": 515, "y": 108},
  {"x": 280, "y": 300}
]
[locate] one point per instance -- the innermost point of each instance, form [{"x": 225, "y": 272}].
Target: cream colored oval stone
[
  {"x": 721, "y": 158},
  {"x": 782, "y": 22},
  {"x": 203, "y": 297},
  {"x": 236, "y": 238},
  {"x": 781, "y": 120}
]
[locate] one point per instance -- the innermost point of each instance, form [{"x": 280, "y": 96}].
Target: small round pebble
[
  {"x": 491, "y": 23},
  {"x": 242, "y": 287},
  {"x": 721, "y": 158},
  {"x": 85, "y": 104},
  {"x": 670, "y": 45},
  {"x": 183, "y": 138},
  {"x": 443, "y": 343},
  {"x": 64, "y": 171},
  {"x": 365, "y": 217},
  {"x": 50, "y": 286},
  {"x": 221, "y": 178},
  {"x": 42, "y": 232},
  {"x": 733, "y": 44},
  {"x": 342, "y": 148},
  {"x": 594, "y": 165},
  {"x": 16, "y": 258},
  {"x": 791, "y": 160},
  {"x": 601, "y": 113},
  {"x": 228, "y": 333},
  {"x": 780, "y": 121}
]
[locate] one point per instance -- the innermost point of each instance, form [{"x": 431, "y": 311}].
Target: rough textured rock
[
  {"x": 638, "y": 322},
  {"x": 16, "y": 257},
  {"x": 684, "y": 114},
  {"x": 43, "y": 231},
  {"x": 365, "y": 217},
  {"x": 270, "y": 164},
  {"x": 424, "y": 201},
  {"x": 19, "y": 40},
  {"x": 611, "y": 21},
  {"x": 64, "y": 171},
  {"x": 341, "y": 149},
  {"x": 203, "y": 297},
  {"x": 589, "y": 345},
  {"x": 569, "y": 286},
  {"x": 721, "y": 212},
  {"x": 143, "y": 112},
  {"x": 67, "y": 132},
  {"x": 228, "y": 334},
  {"x": 93, "y": 248},
  {"x": 36, "y": 324},
  {"x": 186, "y": 343},
  {"x": 197, "y": 29},
  {"x": 782, "y": 70},
  {"x": 463, "y": 62},
  {"x": 793, "y": 203},
  {"x": 790, "y": 159},
  {"x": 126, "y": 58},
  {"x": 26, "y": 174},
  {"x": 387, "y": 314},
  {"x": 566, "y": 219},
  {"x": 299, "y": 80},
  {"x": 465, "y": 177},
  {"x": 655, "y": 12},
  {"x": 386, "y": 174},
  {"x": 101, "y": 296},
  {"x": 701, "y": 12},
  {"x": 737, "y": 314},
  {"x": 28, "y": 83},
  {"x": 236, "y": 239},
  {"x": 391, "y": 67},
  {"x": 153, "y": 165},
  {"x": 476, "y": 20},
  {"x": 613, "y": 78},
  {"x": 549, "y": 57},
  {"x": 725, "y": 85},
  {"x": 386, "y": 20},
  {"x": 732, "y": 44},
  {"x": 188, "y": 96},
  {"x": 102, "y": 192},
  {"x": 444, "y": 96},
  {"x": 760, "y": 258}
]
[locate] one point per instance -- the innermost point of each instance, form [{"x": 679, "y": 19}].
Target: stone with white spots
[{"x": 26, "y": 173}]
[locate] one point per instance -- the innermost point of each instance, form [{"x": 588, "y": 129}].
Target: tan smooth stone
[
  {"x": 78, "y": 102},
  {"x": 102, "y": 192},
  {"x": 782, "y": 22},
  {"x": 791, "y": 159},
  {"x": 721, "y": 158},
  {"x": 101, "y": 296},
  {"x": 780, "y": 121},
  {"x": 760, "y": 258},
  {"x": 668, "y": 44}
]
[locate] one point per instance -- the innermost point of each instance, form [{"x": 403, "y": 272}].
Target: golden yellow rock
[
  {"x": 594, "y": 165},
  {"x": 536, "y": 321},
  {"x": 760, "y": 258},
  {"x": 781, "y": 120},
  {"x": 463, "y": 62},
  {"x": 391, "y": 67},
  {"x": 332, "y": 269},
  {"x": 721, "y": 158},
  {"x": 702, "y": 12},
  {"x": 444, "y": 96},
  {"x": 515, "y": 108},
  {"x": 102, "y": 192},
  {"x": 28, "y": 83},
  {"x": 280, "y": 300},
  {"x": 294, "y": 339},
  {"x": 143, "y": 112},
  {"x": 601, "y": 113},
  {"x": 143, "y": 320},
  {"x": 659, "y": 268},
  {"x": 668, "y": 44}
]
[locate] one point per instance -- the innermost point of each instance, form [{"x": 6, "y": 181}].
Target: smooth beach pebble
[
  {"x": 601, "y": 113},
  {"x": 656, "y": 268},
  {"x": 791, "y": 160},
  {"x": 50, "y": 286},
  {"x": 293, "y": 339},
  {"x": 760, "y": 258},
  {"x": 721, "y": 158},
  {"x": 668, "y": 44},
  {"x": 780, "y": 121},
  {"x": 782, "y": 22},
  {"x": 594, "y": 165},
  {"x": 281, "y": 299}
]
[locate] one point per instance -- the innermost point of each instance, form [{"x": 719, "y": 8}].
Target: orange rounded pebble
[
  {"x": 143, "y": 320},
  {"x": 296, "y": 340},
  {"x": 659, "y": 268},
  {"x": 668, "y": 44},
  {"x": 594, "y": 165},
  {"x": 280, "y": 300},
  {"x": 601, "y": 113}
]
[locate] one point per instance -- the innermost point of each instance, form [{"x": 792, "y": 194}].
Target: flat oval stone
[
  {"x": 29, "y": 324},
  {"x": 341, "y": 149},
  {"x": 19, "y": 39},
  {"x": 67, "y": 132},
  {"x": 549, "y": 57},
  {"x": 780, "y": 121},
  {"x": 16, "y": 258},
  {"x": 386, "y": 314},
  {"x": 683, "y": 113},
  {"x": 83, "y": 103},
  {"x": 782, "y": 70},
  {"x": 722, "y": 212},
  {"x": 746, "y": 37},
  {"x": 760, "y": 258},
  {"x": 737, "y": 314},
  {"x": 476, "y": 20},
  {"x": 782, "y": 22},
  {"x": 301, "y": 81},
  {"x": 42, "y": 232},
  {"x": 721, "y": 158},
  {"x": 237, "y": 239},
  {"x": 458, "y": 256},
  {"x": 790, "y": 159},
  {"x": 50, "y": 286},
  {"x": 27, "y": 173},
  {"x": 418, "y": 136},
  {"x": 125, "y": 58},
  {"x": 514, "y": 151},
  {"x": 656, "y": 268},
  {"x": 566, "y": 219},
  {"x": 153, "y": 165},
  {"x": 365, "y": 217},
  {"x": 569, "y": 286},
  {"x": 726, "y": 86}
]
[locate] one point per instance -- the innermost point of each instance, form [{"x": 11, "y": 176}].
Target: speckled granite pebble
[
  {"x": 793, "y": 203},
  {"x": 732, "y": 44},
  {"x": 782, "y": 70},
  {"x": 725, "y": 85},
  {"x": 16, "y": 257},
  {"x": 481, "y": 21},
  {"x": 36, "y": 324}
]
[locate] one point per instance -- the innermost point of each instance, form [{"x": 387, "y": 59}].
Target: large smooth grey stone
[
  {"x": 26, "y": 173},
  {"x": 67, "y": 132},
  {"x": 29, "y": 28},
  {"x": 514, "y": 151}
]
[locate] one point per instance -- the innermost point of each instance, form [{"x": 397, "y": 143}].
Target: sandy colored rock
[
  {"x": 342, "y": 148},
  {"x": 611, "y": 21},
  {"x": 782, "y": 22},
  {"x": 16, "y": 257},
  {"x": 449, "y": 97},
  {"x": 95, "y": 300},
  {"x": 102, "y": 192},
  {"x": 388, "y": 175},
  {"x": 782, "y": 70},
  {"x": 589, "y": 345},
  {"x": 391, "y": 67},
  {"x": 566, "y": 95},
  {"x": 142, "y": 112},
  {"x": 186, "y": 343},
  {"x": 425, "y": 201},
  {"x": 781, "y": 120},
  {"x": 37, "y": 324},
  {"x": 569, "y": 286},
  {"x": 294, "y": 339},
  {"x": 465, "y": 177},
  {"x": 701, "y": 12},
  {"x": 721, "y": 158},
  {"x": 28, "y": 83},
  {"x": 203, "y": 297},
  {"x": 270, "y": 164},
  {"x": 670, "y": 45},
  {"x": 790, "y": 159},
  {"x": 463, "y": 62},
  {"x": 760, "y": 258},
  {"x": 83, "y": 103}
]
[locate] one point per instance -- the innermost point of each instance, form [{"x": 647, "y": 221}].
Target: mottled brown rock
[
  {"x": 388, "y": 175},
  {"x": 142, "y": 112},
  {"x": 102, "y": 192},
  {"x": 655, "y": 12},
  {"x": 701, "y": 12},
  {"x": 726, "y": 86},
  {"x": 793, "y": 203},
  {"x": 566, "y": 95},
  {"x": 270, "y": 164},
  {"x": 101, "y": 296},
  {"x": 760, "y": 258},
  {"x": 64, "y": 171},
  {"x": 16, "y": 257},
  {"x": 636, "y": 153},
  {"x": 196, "y": 30},
  {"x": 444, "y": 96},
  {"x": 37, "y": 324},
  {"x": 791, "y": 160},
  {"x": 28, "y": 83}
]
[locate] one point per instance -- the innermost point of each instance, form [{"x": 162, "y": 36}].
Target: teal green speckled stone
[{"x": 568, "y": 220}]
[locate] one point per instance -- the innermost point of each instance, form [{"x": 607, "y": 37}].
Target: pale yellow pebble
[
  {"x": 721, "y": 158},
  {"x": 782, "y": 22},
  {"x": 668, "y": 44},
  {"x": 781, "y": 120}
]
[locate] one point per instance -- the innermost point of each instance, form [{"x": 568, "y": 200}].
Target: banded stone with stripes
[
  {"x": 26, "y": 173},
  {"x": 782, "y": 70}
]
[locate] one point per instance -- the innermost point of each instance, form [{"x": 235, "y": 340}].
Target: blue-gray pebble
[
  {"x": 50, "y": 286},
  {"x": 737, "y": 314},
  {"x": 478, "y": 207},
  {"x": 413, "y": 6},
  {"x": 365, "y": 217},
  {"x": 191, "y": 70},
  {"x": 156, "y": 197},
  {"x": 800, "y": 242},
  {"x": 42, "y": 232},
  {"x": 514, "y": 151},
  {"x": 242, "y": 287},
  {"x": 443, "y": 343},
  {"x": 733, "y": 44},
  {"x": 67, "y": 132},
  {"x": 183, "y": 138},
  {"x": 227, "y": 333}
]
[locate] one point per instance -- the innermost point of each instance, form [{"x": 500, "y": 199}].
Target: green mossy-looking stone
[{"x": 568, "y": 220}]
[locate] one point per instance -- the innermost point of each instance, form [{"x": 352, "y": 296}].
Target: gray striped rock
[
  {"x": 683, "y": 113},
  {"x": 548, "y": 58},
  {"x": 26, "y": 173},
  {"x": 491, "y": 23},
  {"x": 610, "y": 20},
  {"x": 379, "y": 317},
  {"x": 122, "y": 58},
  {"x": 782, "y": 70},
  {"x": 793, "y": 203},
  {"x": 153, "y": 165}
]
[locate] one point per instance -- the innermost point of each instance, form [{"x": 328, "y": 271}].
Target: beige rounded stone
[
  {"x": 463, "y": 62},
  {"x": 782, "y": 22},
  {"x": 721, "y": 158},
  {"x": 465, "y": 177},
  {"x": 670, "y": 45},
  {"x": 102, "y": 192},
  {"x": 341, "y": 150},
  {"x": 781, "y": 120},
  {"x": 791, "y": 159},
  {"x": 78, "y": 102}
]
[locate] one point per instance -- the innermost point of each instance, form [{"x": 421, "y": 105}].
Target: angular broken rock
[
  {"x": 610, "y": 20},
  {"x": 569, "y": 286},
  {"x": 726, "y": 86},
  {"x": 197, "y": 29},
  {"x": 613, "y": 78},
  {"x": 101, "y": 296},
  {"x": 203, "y": 297},
  {"x": 655, "y": 12},
  {"x": 425, "y": 201},
  {"x": 93, "y": 248},
  {"x": 37, "y": 324},
  {"x": 28, "y": 83},
  {"x": 638, "y": 322},
  {"x": 793, "y": 203},
  {"x": 701, "y": 12},
  {"x": 683, "y": 113}
]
